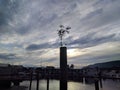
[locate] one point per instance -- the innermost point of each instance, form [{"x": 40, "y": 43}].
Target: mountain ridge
[{"x": 109, "y": 64}]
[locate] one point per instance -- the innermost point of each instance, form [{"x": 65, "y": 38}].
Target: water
[{"x": 54, "y": 85}]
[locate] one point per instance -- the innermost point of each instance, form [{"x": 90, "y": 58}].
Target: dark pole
[
  {"x": 96, "y": 85},
  {"x": 101, "y": 83},
  {"x": 47, "y": 83},
  {"x": 100, "y": 79},
  {"x": 37, "y": 77},
  {"x": 63, "y": 68},
  {"x": 63, "y": 58},
  {"x": 31, "y": 74},
  {"x": 48, "y": 80}
]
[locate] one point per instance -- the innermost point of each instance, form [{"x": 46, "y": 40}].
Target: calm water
[{"x": 54, "y": 85}]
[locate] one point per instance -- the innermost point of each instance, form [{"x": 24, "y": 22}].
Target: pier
[{"x": 16, "y": 75}]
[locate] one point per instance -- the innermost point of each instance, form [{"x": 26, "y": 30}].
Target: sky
[{"x": 28, "y": 31}]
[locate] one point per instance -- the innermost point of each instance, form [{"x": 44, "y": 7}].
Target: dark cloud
[
  {"x": 32, "y": 47},
  {"x": 6, "y": 56},
  {"x": 7, "y": 10},
  {"x": 41, "y": 46},
  {"x": 50, "y": 60},
  {"x": 103, "y": 15},
  {"x": 106, "y": 57},
  {"x": 90, "y": 40},
  {"x": 23, "y": 30}
]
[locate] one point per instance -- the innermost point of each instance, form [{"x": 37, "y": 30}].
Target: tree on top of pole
[{"x": 61, "y": 32}]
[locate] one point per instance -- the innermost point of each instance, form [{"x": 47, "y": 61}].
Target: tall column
[{"x": 63, "y": 68}]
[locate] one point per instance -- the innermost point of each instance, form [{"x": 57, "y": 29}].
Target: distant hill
[{"x": 105, "y": 64}]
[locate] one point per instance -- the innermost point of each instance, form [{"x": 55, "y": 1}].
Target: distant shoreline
[{"x": 16, "y": 88}]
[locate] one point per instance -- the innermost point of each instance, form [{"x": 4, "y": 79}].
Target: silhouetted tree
[{"x": 61, "y": 32}]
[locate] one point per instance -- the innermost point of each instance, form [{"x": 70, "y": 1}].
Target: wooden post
[
  {"x": 37, "y": 77},
  {"x": 48, "y": 83},
  {"x": 63, "y": 68},
  {"x": 16, "y": 83},
  {"x": 100, "y": 79},
  {"x": 96, "y": 85},
  {"x": 101, "y": 83},
  {"x": 31, "y": 75}
]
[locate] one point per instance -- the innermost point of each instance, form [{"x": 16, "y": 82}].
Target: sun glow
[{"x": 74, "y": 52}]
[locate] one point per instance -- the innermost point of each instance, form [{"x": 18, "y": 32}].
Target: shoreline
[{"x": 16, "y": 88}]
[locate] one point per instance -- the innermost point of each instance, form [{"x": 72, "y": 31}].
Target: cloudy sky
[{"x": 28, "y": 31}]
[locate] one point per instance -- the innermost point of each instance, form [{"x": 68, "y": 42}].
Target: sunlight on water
[
  {"x": 79, "y": 86},
  {"x": 54, "y": 85}
]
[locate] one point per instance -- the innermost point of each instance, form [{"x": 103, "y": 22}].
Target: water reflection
[
  {"x": 111, "y": 85},
  {"x": 79, "y": 86},
  {"x": 54, "y": 85}
]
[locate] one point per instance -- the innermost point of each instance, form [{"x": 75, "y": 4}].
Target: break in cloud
[{"x": 28, "y": 31}]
